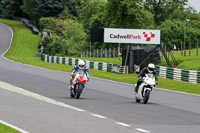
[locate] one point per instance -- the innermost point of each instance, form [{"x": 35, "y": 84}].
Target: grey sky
[{"x": 195, "y": 4}]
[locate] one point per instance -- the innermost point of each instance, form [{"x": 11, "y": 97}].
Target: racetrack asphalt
[{"x": 108, "y": 106}]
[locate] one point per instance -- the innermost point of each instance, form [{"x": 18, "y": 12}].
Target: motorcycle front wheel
[
  {"x": 79, "y": 91},
  {"x": 146, "y": 96}
]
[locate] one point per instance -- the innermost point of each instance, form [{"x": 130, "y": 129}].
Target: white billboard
[{"x": 112, "y": 35}]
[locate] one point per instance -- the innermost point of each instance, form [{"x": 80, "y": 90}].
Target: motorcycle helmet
[
  {"x": 151, "y": 67},
  {"x": 81, "y": 64}
]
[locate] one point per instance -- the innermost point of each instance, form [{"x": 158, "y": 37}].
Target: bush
[
  {"x": 47, "y": 23},
  {"x": 55, "y": 45},
  {"x": 73, "y": 33}
]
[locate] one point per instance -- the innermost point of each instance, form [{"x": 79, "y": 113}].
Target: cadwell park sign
[
  {"x": 138, "y": 36},
  {"x": 127, "y": 36}
]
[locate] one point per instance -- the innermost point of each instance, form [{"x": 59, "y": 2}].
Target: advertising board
[{"x": 139, "y": 36}]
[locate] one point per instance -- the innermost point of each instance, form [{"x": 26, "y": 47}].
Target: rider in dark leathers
[{"x": 149, "y": 69}]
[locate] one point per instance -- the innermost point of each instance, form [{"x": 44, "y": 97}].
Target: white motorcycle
[
  {"x": 79, "y": 81},
  {"x": 145, "y": 88}
]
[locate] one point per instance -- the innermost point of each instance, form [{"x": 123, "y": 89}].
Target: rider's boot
[
  {"x": 136, "y": 88},
  {"x": 83, "y": 89},
  {"x": 70, "y": 86}
]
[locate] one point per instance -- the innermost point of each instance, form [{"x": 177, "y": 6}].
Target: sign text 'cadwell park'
[{"x": 138, "y": 36}]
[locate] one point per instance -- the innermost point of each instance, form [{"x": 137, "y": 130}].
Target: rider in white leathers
[{"x": 80, "y": 67}]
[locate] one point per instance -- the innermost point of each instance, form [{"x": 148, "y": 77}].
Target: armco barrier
[
  {"x": 26, "y": 22},
  {"x": 198, "y": 76},
  {"x": 166, "y": 72},
  {"x": 90, "y": 64},
  {"x": 178, "y": 74}
]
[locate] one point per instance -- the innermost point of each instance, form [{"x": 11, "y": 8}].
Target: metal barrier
[
  {"x": 166, "y": 72},
  {"x": 178, "y": 74},
  {"x": 108, "y": 67}
]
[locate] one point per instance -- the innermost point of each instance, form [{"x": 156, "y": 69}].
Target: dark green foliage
[
  {"x": 173, "y": 32},
  {"x": 42, "y": 8},
  {"x": 54, "y": 45},
  {"x": 161, "y": 9},
  {"x": 68, "y": 35},
  {"x": 70, "y": 21},
  {"x": 48, "y": 8},
  {"x": 66, "y": 14},
  {"x": 182, "y": 14},
  {"x": 92, "y": 14},
  {"x": 73, "y": 6},
  {"x": 12, "y": 6},
  {"x": 127, "y": 14},
  {"x": 47, "y": 23}
]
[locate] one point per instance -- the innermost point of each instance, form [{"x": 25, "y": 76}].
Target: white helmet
[
  {"x": 81, "y": 64},
  {"x": 151, "y": 67}
]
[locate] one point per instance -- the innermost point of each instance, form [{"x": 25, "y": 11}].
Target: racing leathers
[
  {"x": 142, "y": 74},
  {"x": 73, "y": 74}
]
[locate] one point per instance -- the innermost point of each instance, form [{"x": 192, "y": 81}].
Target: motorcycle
[
  {"x": 145, "y": 88},
  {"x": 79, "y": 81}
]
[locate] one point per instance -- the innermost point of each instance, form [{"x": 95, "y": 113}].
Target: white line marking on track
[
  {"x": 10, "y": 40},
  {"x": 14, "y": 127},
  {"x": 123, "y": 124},
  {"x": 99, "y": 116},
  {"x": 16, "y": 89},
  {"x": 142, "y": 130}
]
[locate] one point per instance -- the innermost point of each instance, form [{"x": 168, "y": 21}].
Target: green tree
[
  {"x": 69, "y": 35},
  {"x": 29, "y": 7},
  {"x": 173, "y": 32},
  {"x": 66, "y": 14},
  {"x": 92, "y": 13},
  {"x": 73, "y": 33},
  {"x": 193, "y": 31},
  {"x": 48, "y": 8},
  {"x": 127, "y": 14},
  {"x": 55, "y": 45},
  {"x": 73, "y": 6},
  {"x": 45, "y": 8},
  {"x": 182, "y": 14},
  {"x": 12, "y": 6},
  {"x": 47, "y": 23},
  {"x": 161, "y": 9}
]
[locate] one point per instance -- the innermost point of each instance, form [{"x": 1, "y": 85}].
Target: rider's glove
[
  {"x": 156, "y": 82},
  {"x": 73, "y": 75}
]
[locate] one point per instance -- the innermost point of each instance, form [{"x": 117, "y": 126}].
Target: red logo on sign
[{"x": 149, "y": 38}]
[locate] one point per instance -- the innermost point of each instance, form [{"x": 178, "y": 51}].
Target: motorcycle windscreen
[{"x": 150, "y": 75}]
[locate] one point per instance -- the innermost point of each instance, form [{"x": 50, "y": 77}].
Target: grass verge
[
  {"x": 187, "y": 62},
  {"x": 25, "y": 44},
  {"x": 6, "y": 129}
]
